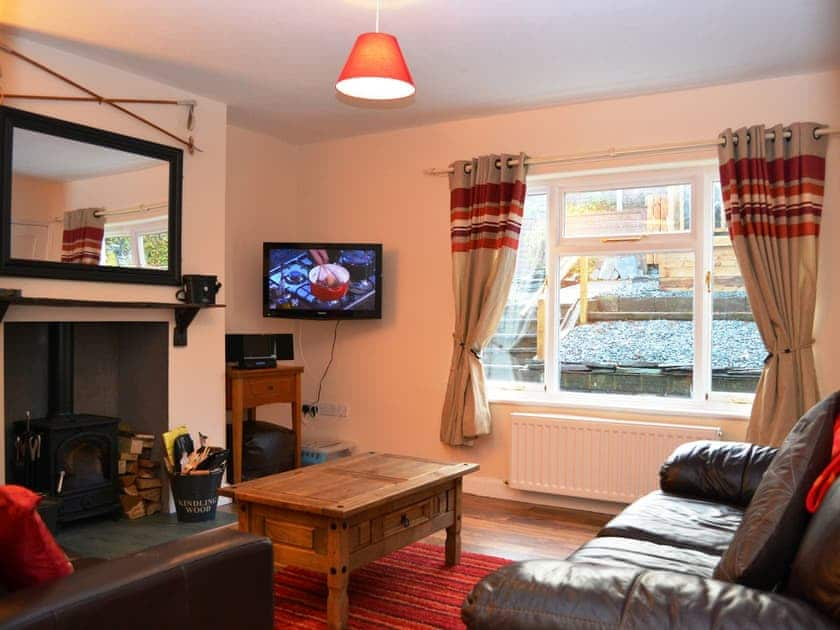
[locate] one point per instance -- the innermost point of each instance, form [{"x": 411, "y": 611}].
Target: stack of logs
[{"x": 139, "y": 475}]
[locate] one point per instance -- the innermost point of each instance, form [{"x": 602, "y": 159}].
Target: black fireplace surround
[{"x": 76, "y": 461}]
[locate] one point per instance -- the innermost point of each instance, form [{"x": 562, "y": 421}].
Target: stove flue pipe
[{"x": 61, "y": 369}]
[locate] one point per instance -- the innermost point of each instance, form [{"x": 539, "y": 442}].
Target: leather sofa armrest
[
  {"x": 213, "y": 580},
  {"x": 552, "y": 594},
  {"x": 727, "y": 472}
]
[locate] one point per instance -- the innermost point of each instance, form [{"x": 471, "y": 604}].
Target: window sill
[{"x": 648, "y": 405}]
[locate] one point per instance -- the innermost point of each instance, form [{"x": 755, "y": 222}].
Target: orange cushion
[{"x": 29, "y": 554}]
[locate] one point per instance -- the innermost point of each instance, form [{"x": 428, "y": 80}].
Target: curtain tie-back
[
  {"x": 463, "y": 344},
  {"x": 804, "y": 346}
]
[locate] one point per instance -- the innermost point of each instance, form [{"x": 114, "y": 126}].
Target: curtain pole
[
  {"x": 131, "y": 210},
  {"x": 629, "y": 151}
]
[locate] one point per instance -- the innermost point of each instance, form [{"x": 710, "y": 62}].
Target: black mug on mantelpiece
[{"x": 199, "y": 289}]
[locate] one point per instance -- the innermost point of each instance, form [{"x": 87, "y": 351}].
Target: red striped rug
[{"x": 410, "y": 588}]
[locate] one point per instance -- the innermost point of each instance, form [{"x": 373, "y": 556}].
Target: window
[
  {"x": 626, "y": 283},
  {"x": 652, "y": 210},
  {"x": 143, "y": 244}
]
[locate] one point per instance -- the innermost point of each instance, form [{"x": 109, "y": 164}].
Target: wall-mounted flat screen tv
[{"x": 322, "y": 280}]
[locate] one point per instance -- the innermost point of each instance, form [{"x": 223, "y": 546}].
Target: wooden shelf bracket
[{"x": 183, "y": 319}]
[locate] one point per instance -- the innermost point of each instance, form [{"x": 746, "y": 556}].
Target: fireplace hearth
[{"x": 69, "y": 456}]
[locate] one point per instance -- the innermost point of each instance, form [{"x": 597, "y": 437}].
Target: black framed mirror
[{"x": 81, "y": 203}]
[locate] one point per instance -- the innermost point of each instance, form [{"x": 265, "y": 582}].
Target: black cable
[{"x": 329, "y": 363}]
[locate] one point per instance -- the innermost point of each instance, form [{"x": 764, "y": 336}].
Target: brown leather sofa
[
  {"x": 725, "y": 543},
  {"x": 209, "y": 581}
]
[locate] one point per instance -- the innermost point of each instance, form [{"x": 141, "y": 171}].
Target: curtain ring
[
  {"x": 498, "y": 164},
  {"x": 725, "y": 141}
]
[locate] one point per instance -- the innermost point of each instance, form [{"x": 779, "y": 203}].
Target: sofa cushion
[
  {"x": 766, "y": 542},
  {"x": 815, "y": 574},
  {"x": 667, "y": 519},
  {"x": 556, "y": 595},
  {"x": 29, "y": 554},
  {"x": 626, "y": 552},
  {"x": 728, "y": 472}
]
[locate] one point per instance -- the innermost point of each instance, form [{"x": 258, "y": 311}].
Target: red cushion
[
  {"x": 827, "y": 476},
  {"x": 29, "y": 554}
]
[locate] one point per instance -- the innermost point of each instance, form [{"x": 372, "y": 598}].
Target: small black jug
[{"x": 199, "y": 289}]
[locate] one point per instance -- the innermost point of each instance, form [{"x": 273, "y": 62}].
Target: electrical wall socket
[{"x": 339, "y": 410}]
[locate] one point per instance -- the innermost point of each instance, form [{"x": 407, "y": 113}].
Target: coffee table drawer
[
  {"x": 260, "y": 391},
  {"x": 408, "y": 517}
]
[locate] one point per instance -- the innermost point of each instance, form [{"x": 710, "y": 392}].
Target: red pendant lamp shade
[{"x": 376, "y": 69}]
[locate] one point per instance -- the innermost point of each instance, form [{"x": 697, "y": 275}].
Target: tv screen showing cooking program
[{"x": 322, "y": 280}]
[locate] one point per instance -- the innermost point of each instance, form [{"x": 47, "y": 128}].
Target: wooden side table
[{"x": 248, "y": 389}]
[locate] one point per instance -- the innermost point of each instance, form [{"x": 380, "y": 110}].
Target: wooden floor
[{"x": 522, "y": 531}]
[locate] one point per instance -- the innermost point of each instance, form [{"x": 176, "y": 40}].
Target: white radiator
[{"x": 593, "y": 458}]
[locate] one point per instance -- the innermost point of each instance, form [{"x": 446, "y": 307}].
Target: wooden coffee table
[{"x": 338, "y": 516}]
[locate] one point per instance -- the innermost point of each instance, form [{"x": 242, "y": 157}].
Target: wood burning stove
[{"x": 70, "y": 456}]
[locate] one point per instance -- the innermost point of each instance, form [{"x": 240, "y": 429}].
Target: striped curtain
[
  {"x": 773, "y": 196},
  {"x": 486, "y": 200},
  {"x": 81, "y": 242}
]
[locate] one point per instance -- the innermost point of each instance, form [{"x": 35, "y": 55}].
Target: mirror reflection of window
[
  {"x": 85, "y": 204},
  {"x": 140, "y": 243}
]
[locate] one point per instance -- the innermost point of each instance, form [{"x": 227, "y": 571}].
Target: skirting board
[{"x": 498, "y": 489}]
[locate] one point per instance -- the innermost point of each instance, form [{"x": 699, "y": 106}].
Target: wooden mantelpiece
[{"x": 184, "y": 313}]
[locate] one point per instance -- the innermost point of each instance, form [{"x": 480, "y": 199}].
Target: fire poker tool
[{"x": 28, "y": 450}]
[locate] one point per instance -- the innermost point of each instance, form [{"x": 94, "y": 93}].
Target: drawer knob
[
  {"x": 271, "y": 388},
  {"x": 404, "y": 521}
]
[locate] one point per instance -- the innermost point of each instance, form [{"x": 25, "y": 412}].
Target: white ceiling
[
  {"x": 275, "y": 61},
  {"x": 50, "y": 157}
]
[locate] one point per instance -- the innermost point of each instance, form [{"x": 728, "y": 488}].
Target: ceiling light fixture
[{"x": 376, "y": 69}]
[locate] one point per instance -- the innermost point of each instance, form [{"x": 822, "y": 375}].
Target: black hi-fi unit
[{"x": 252, "y": 352}]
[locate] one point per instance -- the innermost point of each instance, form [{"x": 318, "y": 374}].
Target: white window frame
[
  {"x": 135, "y": 230},
  {"x": 701, "y": 175}
]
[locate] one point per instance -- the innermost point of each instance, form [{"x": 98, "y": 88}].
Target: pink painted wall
[
  {"x": 196, "y": 372},
  {"x": 262, "y": 183},
  {"x": 37, "y": 198},
  {"x": 393, "y": 372}
]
